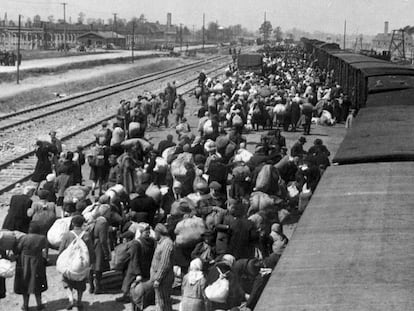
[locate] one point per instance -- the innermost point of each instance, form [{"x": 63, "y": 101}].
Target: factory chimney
[
  {"x": 168, "y": 20},
  {"x": 386, "y": 28}
]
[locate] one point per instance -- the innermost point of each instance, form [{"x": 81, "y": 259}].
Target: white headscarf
[{"x": 195, "y": 272}]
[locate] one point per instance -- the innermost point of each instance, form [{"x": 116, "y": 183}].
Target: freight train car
[{"x": 353, "y": 248}]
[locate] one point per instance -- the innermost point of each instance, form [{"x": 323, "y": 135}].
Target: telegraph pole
[
  {"x": 64, "y": 26},
  {"x": 18, "y": 50},
  {"x": 204, "y": 21},
  {"x": 114, "y": 24},
  {"x": 181, "y": 37},
  {"x": 344, "y": 33},
  {"x": 133, "y": 41}
]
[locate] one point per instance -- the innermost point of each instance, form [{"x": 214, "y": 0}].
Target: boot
[
  {"x": 98, "y": 278},
  {"x": 91, "y": 283}
]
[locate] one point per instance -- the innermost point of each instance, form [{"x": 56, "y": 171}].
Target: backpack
[
  {"x": 121, "y": 257},
  {"x": 219, "y": 290},
  {"x": 74, "y": 262},
  {"x": 99, "y": 156}
]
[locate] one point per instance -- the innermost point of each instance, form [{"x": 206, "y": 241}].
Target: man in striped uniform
[{"x": 162, "y": 274}]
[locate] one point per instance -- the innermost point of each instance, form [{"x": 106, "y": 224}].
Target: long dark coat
[
  {"x": 100, "y": 244},
  {"x": 43, "y": 165},
  {"x": 17, "y": 218},
  {"x": 140, "y": 254},
  {"x": 30, "y": 275}
]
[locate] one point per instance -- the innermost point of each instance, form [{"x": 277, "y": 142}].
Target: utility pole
[
  {"x": 344, "y": 34},
  {"x": 204, "y": 21},
  {"x": 18, "y": 50},
  {"x": 181, "y": 37},
  {"x": 194, "y": 33},
  {"x": 113, "y": 26},
  {"x": 64, "y": 26},
  {"x": 133, "y": 41}
]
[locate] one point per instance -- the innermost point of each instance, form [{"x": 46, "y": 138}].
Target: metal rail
[
  {"x": 119, "y": 87},
  {"x": 82, "y": 137}
]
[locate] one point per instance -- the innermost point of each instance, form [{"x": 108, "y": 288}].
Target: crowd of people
[
  {"x": 10, "y": 58},
  {"x": 200, "y": 213}
]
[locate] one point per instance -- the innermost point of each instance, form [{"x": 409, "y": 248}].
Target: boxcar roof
[
  {"x": 380, "y": 133},
  {"x": 353, "y": 248}
]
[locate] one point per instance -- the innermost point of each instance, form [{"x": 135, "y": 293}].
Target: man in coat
[{"x": 162, "y": 274}]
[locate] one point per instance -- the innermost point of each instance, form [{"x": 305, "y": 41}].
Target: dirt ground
[{"x": 55, "y": 297}]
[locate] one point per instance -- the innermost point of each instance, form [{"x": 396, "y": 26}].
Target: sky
[{"x": 363, "y": 16}]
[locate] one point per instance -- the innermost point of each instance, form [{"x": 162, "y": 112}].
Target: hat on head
[
  {"x": 43, "y": 194},
  {"x": 228, "y": 260},
  {"x": 104, "y": 123},
  {"x": 276, "y": 227},
  {"x": 177, "y": 184},
  {"x": 161, "y": 229},
  {"x": 302, "y": 139},
  {"x": 214, "y": 185},
  {"x": 129, "y": 235}
]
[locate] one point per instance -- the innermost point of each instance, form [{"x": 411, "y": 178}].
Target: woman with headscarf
[
  {"x": 236, "y": 294},
  {"x": 192, "y": 288},
  {"x": 43, "y": 213},
  {"x": 30, "y": 277}
]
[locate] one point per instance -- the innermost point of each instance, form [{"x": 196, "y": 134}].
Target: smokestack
[
  {"x": 386, "y": 28},
  {"x": 168, "y": 20}
]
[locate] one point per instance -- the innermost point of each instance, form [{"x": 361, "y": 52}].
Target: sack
[
  {"x": 7, "y": 240},
  {"x": 142, "y": 294},
  {"x": 134, "y": 129},
  {"x": 279, "y": 109},
  {"x": 237, "y": 120},
  {"x": 161, "y": 165},
  {"x": 58, "y": 230},
  {"x": 267, "y": 180},
  {"x": 153, "y": 191},
  {"x": 112, "y": 280},
  {"x": 118, "y": 136},
  {"x": 129, "y": 143},
  {"x": 75, "y": 193},
  {"x": 74, "y": 261},
  {"x": 262, "y": 202},
  {"x": 121, "y": 257},
  {"x": 7, "y": 268},
  {"x": 243, "y": 155},
  {"x": 98, "y": 158},
  {"x": 208, "y": 128},
  {"x": 219, "y": 290},
  {"x": 178, "y": 165},
  {"x": 167, "y": 153},
  {"x": 189, "y": 230}
]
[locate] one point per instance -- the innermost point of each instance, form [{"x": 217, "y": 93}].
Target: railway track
[
  {"x": 20, "y": 168},
  {"x": 11, "y": 120}
]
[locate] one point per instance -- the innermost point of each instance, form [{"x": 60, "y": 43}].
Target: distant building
[
  {"x": 381, "y": 42},
  {"x": 48, "y": 35},
  {"x": 101, "y": 39},
  {"x": 30, "y": 38}
]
